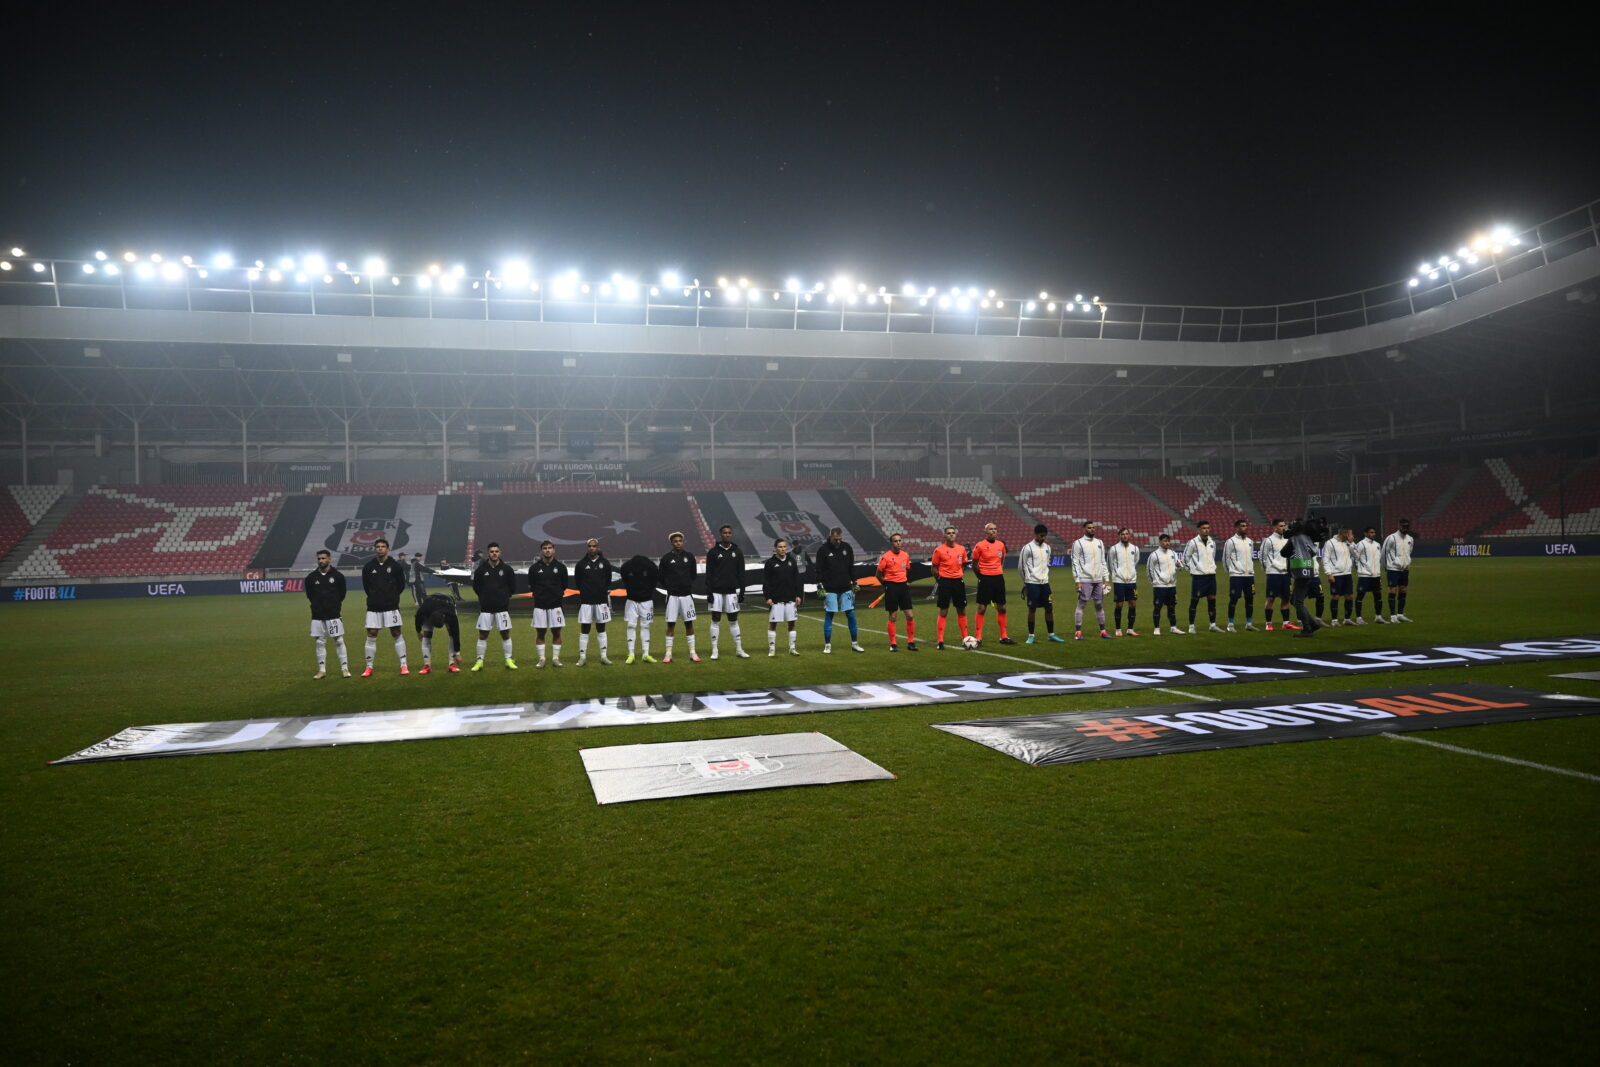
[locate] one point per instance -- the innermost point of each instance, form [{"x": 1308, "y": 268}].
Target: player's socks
[
  {"x": 400, "y": 650},
  {"x": 1000, "y": 617},
  {"x": 322, "y": 655},
  {"x": 602, "y": 636},
  {"x": 670, "y": 639},
  {"x": 938, "y": 629},
  {"x": 891, "y": 633},
  {"x": 633, "y": 639},
  {"x": 691, "y": 646},
  {"x": 1194, "y": 608},
  {"x": 961, "y": 621},
  {"x": 793, "y": 637},
  {"x": 1402, "y": 603},
  {"x": 978, "y": 630},
  {"x": 344, "y": 654},
  {"x": 644, "y": 643},
  {"x": 372, "y": 651},
  {"x": 505, "y": 647},
  {"x": 716, "y": 633},
  {"x": 483, "y": 646},
  {"x": 911, "y": 629},
  {"x": 1132, "y": 611},
  {"x": 827, "y": 626},
  {"x": 738, "y": 639},
  {"x": 855, "y": 632},
  {"x": 555, "y": 653},
  {"x": 772, "y": 642},
  {"x": 1391, "y": 604},
  {"x": 1030, "y": 628}
]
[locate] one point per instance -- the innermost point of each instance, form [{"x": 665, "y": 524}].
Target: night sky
[{"x": 1212, "y": 161}]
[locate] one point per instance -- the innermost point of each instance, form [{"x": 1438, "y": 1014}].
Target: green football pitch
[{"x": 457, "y": 901}]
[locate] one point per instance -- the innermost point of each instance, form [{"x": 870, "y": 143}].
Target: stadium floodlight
[
  {"x": 515, "y": 271},
  {"x": 908, "y": 289},
  {"x": 922, "y": 302},
  {"x": 1433, "y": 275},
  {"x": 732, "y": 294},
  {"x": 1463, "y": 251},
  {"x": 861, "y": 287},
  {"x": 1424, "y": 268},
  {"x": 655, "y": 291},
  {"x": 1032, "y": 306},
  {"x": 356, "y": 278},
  {"x": 808, "y": 298},
  {"x": 19, "y": 253},
  {"x": 777, "y": 295},
  {"x": 111, "y": 269},
  {"x": 628, "y": 289},
  {"x": 944, "y": 302},
  {"x": 222, "y": 260},
  {"x": 327, "y": 279},
  {"x": 394, "y": 279},
  {"x": 38, "y": 268},
  {"x": 155, "y": 257},
  {"x": 872, "y": 298},
  {"x": 972, "y": 290},
  {"x": 1455, "y": 266},
  {"x": 533, "y": 287},
  {"x": 991, "y": 294},
  {"x": 722, "y": 283},
  {"x": 129, "y": 257},
  {"x": 434, "y": 269},
  {"x": 831, "y": 297},
  {"x": 841, "y": 283},
  {"x": 145, "y": 270},
  {"x": 793, "y": 285},
  {"x": 1516, "y": 240},
  {"x": 984, "y": 303},
  {"x": 286, "y": 263},
  {"x": 1043, "y": 295},
  {"x": 851, "y": 300},
  {"x": 101, "y": 256},
  {"x": 342, "y": 267},
  {"x": 447, "y": 284},
  {"x": 300, "y": 276},
  {"x": 564, "y": 286},
  {"x": 171, "y": 272},
  {"x": 5, "y": 264},
  {"x": 605, "y": 288},
  {"x": 1050, "y": 306},
  {"x": 1501, "y": 233},
  {"x": 204, "y": 273},
  {"x": 1472, "y": 259},
  {"x": 1412, "y": 283},
  {"x": 459, "y": 271},
  {"x": 584, "y": 288},
  {"x": 1000, "y": 305},
  {"x": 374, "y": 265},
  {"x": 253, "y": 275},
  {"x": 88, "y": 268},
  {"x": 1086, "y": 306},
  {"x": 424, "y": 281},
  {"x": 672, "y": 279},
  {"x": 187, "y": 261},
  {"x": 274, "y": 276},
  {"x": 744, "y": 283}
]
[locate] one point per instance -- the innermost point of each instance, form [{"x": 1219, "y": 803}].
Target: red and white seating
[
  {"x": 1197, "y": 497},
  {"x": 147, "y": 530},
  {"x": 1579, "y": 497},
  {"x": 921, "y": 509},
  {"x": 1067, "y": 504},
  {"x": 1283, "y": 496},
  {"x": 21, "y": 508},
  {"x": 1500, "y": 484},
  {"x": 1520, "y": 479}
]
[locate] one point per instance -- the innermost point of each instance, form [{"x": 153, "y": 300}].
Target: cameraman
[{"x": 1301, "y": 552}]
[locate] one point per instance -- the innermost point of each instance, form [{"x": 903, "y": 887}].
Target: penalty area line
[{"x": 1494, "y": 756}]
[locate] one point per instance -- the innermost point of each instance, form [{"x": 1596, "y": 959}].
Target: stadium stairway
[
  {"x": 1016, "y": 507},
  {"x": 1451, "y": 491},
  {"x": 35, "y": 537},
  {"x": 1181, "y": 523},
  {"x": 1258, "y": 523},
  {"x": 1525, "y": 498}
]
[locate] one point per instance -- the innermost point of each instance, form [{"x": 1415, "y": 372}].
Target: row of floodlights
[
  {"x": 1493, "y": 243},
  {"x": 568, "y": 285}
]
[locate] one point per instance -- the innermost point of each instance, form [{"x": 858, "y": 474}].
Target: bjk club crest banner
[
  {"x": 725, "y": 765},
  {"x": 413, "y": 724},
  {"x": 1162, "y": 729}
]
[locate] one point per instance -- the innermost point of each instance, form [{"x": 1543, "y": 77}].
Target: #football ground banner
[
  {"x": 307, "y": 731},
  {"x": 802, "y": 517},
  {"x": 1160, "y": 729},
  {"x": 349, "y": 527},
  {"x": 625, "y": 523},
  {"x": 724, "y": 765}
]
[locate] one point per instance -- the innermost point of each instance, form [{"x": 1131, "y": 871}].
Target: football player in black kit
[
  {"x": 325, "y": 588},
  {"x": 384, "y": 579},
  {"x": 677, "y": 569},
  {"x": 494, "y": 581},
  {"x": 725, "y": 589},
  {"x": 547, "y": 581},
  {"x": 438, "y": 611},
  {"x": 639, "y": 577},
  {"x": 593, "y": 575}
]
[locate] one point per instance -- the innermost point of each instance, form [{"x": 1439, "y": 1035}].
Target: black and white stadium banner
[
  {"x": 723, "y": 765},
  {"x": 802, "y": 517},
  {"x": 308, "y": 731},
  {"x": 349, "y": 526},
  {"x": 1161, "y": 729}
]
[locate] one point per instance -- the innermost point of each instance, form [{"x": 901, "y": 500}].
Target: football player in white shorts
[
  {"x": 325, "y": 588},
  {"x": 593, "y": 575},
  {"x": 676, "y": 573},
  {"x": 384, "y": 579},
  {"x": 547, "y": 581},
  {"x": 780, "y": 586},
  {"x": 725, "y": 588},
  {"x": 494, "y": 581}
]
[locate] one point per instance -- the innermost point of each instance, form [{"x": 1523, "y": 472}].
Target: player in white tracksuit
[
  {"x": 1238, "y": 557},
  {"x": 1200, "y": 560},
  {"x": 1276, "y": 569},
  {"x": 1338, "y": 561},
  {"x": 1162, "y": 567},
  {"x": 1091, "y": 574},
  {"x": 1397, "y": 568},
  {"x": 1122, "y": 559},
  {"x": 1368, "y": 556}
]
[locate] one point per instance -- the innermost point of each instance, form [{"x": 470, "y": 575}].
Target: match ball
[{"x": 969, "y": 642}]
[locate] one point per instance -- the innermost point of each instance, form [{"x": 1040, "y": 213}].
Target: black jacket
[
  {"x": 326, "y": 593},
  {"x": 835, "y": 566},
  {"x": 725, "y": 568},
  {"x": 780, "y": 579},
  {"x": 594, "y": 580},
  {"x": 384, "y": 582},
  {"x": 548, "y": 583},
  {"x": 436, "y": 603},
  {"x": 639, "y": 576},
  {"x": 677, "y": 572},
  {"x": 494, "y": 585}
]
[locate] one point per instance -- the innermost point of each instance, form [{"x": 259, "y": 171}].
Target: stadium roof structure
[{"x": 1517, "y": 333}]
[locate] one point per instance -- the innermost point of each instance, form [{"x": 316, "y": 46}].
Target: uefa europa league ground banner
[
  {"x": 1160, "y": 729},
  {"x": 416, "y": 724}
]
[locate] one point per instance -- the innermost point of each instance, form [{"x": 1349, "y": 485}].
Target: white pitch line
[{"x": 1494, "y": 756}]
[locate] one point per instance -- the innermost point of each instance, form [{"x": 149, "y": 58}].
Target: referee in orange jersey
[
  {"x": 892, "y": 569},
  {"x": 949, "y": 568},
  {"x": 988, "y": 559}
]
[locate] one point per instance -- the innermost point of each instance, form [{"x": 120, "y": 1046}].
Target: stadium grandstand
[{"x": 174, "y": 419}]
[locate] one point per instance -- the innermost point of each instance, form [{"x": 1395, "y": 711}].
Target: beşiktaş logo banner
[
  {"x": 350, "y": 527},
  {"x": 622, "y": 773},
  {"x": 1162, "y": 729},
  {"x": 625, "y": 523},
  {"x": 803, "y": 518},
  {"x": 248, "y": 735}
]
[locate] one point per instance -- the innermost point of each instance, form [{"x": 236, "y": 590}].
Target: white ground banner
[{"x": 723, "y": 765}]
